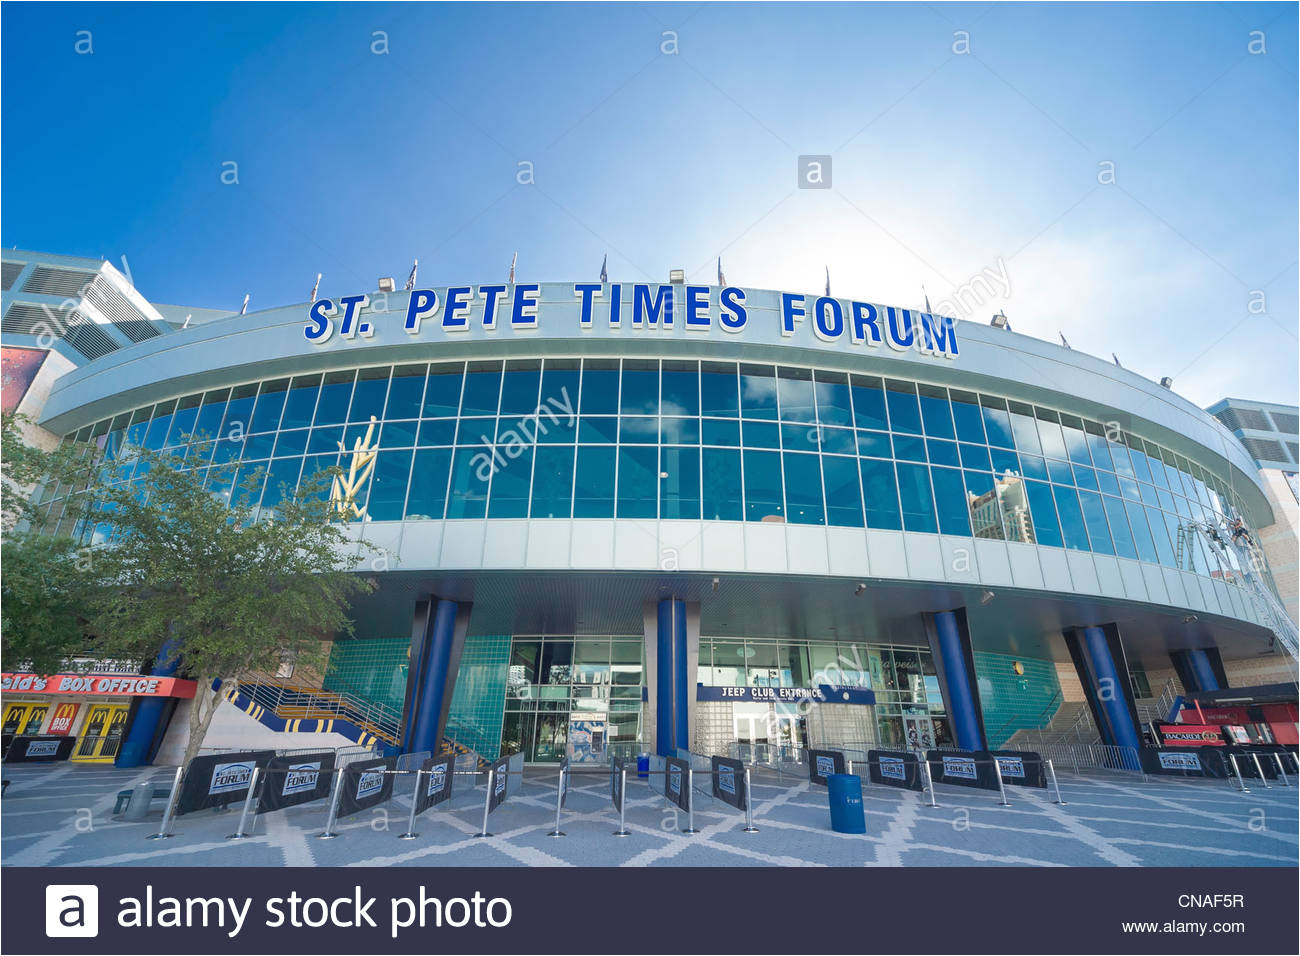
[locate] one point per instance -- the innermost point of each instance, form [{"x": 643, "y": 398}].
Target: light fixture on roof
[
  {"x": 1166, "y": 382},
  {"x": 1191, "y": 619},
  {"x": 858, "y": 591},
  {"x": 677, "y": 276},
  {"x": 999, "y": 321},
  {"x": 715, "y": 584},
  {"x": 386, "y": 284},
  {"x": 987, "y": 598}
]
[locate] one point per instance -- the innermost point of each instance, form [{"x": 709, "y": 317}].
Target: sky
[{"x": 1128, "y": 173}]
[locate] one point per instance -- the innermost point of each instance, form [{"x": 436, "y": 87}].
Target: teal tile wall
[
  {"x": 1012, "y": 701},
  {"x": 371, "y": 669},
  {"x": 479, "y": 701}
]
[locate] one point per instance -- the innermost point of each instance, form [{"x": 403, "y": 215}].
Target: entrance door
[{"x": 101, "y": 735}]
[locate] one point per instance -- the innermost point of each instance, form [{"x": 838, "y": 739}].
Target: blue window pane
[
  {"x": 1109, "y": 483},
  {"x": 553, "y": 482},
  {"x": 967, "y": 417},
  {"x": 1042, "y": 510},
  {"x": 599, "y": 387},
  {"x": 803, "y": 489},
  {"x": 429, "y": 483},
  {"x": 1085, "y": 477},
  {"x": 758, "y": 391},
  {"x": 681, "y": 388},
  {"x": 1119, "y": 528},
  {"x": 997, "y": 423},
  {"x": 156, "y": 436},
  {"x": 976, "y": 457},
  {"x": 936, "y": 414},
  {"x": 869, "y": 404},
  {"x": 369, "y": 395},
  {"x": 438, "y": 431},
  {"x": 511, "y": 483},
  {"x": 1060, "y": 471},
  {"x": 640, "y": 391},
  {"x": 1026, "y": 434},
  {"x": 1129, "y": 488},
  {"x": 909, "y": 448},
  {"x": 520, "y": 386},
  {"x": 593, "y": 495},
  {"x": 1076, "y": 445},
  {"x": 875, "y": 445},
  {"x": 1166, "y": 501},
  {"x": 843, "y": 491},
  {"x": 764, "y": 498},
  {"x": 281, "y": 480},
  {"x": 442, "y": 393},
  {"x": 293, "y": 443},
  {"x": 482, "y": 393},
  {"x": 208, "y": 423},
  {"x": 597, "y": 429},
  {"x": 555, "y": 426},
  {"x": 388, "y": 486},
  {"x": 943, "y": 452},
  {"x": 1067, "y": 507},
  {"x": 182, "y": 424},
  {"x": 950, "y": 501},
  {"x": 679, "y": 483},
  {"x": 719, "y": 394},
  {"x": 1004, "y": 460},
  {"x": 834, "y": 403},
  {"x": 801, "y": 437},
  {"x": 1049, "y": 431},
  {"x": 1140, "y": 468},
  {"x": 1094, "y": 516},
  {"x": 405, "y": 392},
  {"x": 679, "y": 431},
  {"x": 722, "y": 485},
  {"x": 880, "y": 494},
  {"x": 1157, "y": 470},
  {"x": 325, "y": 440},
  {"x": 560, "y": 382},
  {"x": 916, "y": 498},
  {"x": 720, "y": 431},
  {"x": 638, "y": 480},
  {"x": 1119, "y": 455},
  {"x": 335, "y": 397},
  {"x": 837, "y": 441},
  {"x": 760, "y": 434},
  {"x": 266, "y": 414},
  {"x": 1148, "y": 494},
  {"x": 638, "y": 430},
  {"x": 1160, "y": 534},
  {"x": 471, "y": 471},
  {"x": 1137, "y": 518},
  {"x": 239, "y": 413},
  {"x": 795, "y": 393},
  {"x": 904, "y": 411},
  {"x": 1100, "y": 451},
  {"x": 259, "y": 446}
]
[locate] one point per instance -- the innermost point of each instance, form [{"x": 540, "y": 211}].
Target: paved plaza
[{"x": 59, "y": 816}]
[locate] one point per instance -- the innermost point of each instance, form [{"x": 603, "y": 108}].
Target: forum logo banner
[
  {"x": 729, "y": 782},
  {"x": 435, "y": 782},
  {"x": 300, "y": 778},
  {"x": 49, "y": 747},
  {"x": 895, "y": 768},
  {"x": 500, "y": 783},
  {"x": 366, "y": 784},
  {"x": 677, "y": 787},
  {"x": 616, "y": 795},
  {"x": 217, "y": 780},
  {"x": 823, "y": 763}
]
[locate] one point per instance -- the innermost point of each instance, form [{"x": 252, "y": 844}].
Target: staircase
[{"x": 1071, "y": 725}]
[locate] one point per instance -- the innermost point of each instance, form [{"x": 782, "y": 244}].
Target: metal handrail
[{"x": 298, "y": 701}]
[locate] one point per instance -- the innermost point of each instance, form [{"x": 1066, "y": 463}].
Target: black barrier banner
[
  {"x": 39, "y": 749},
  {"x": 217, "y": 780},
  {"x": 616, "y": 768},
  {"x": 973, "y": 769},
  {"x": 436, "y": 776},
  {"x": 564, "y": 781},
  {"x": 895, "y": 768},
  {"x": 1184, "y": 761},
  {"x": 366, "y": 785},
  {"x": 677, "y": 786},
  {"x": 301, "y": 778},
  {"x": 1024, "y": 768},
  {"x": 823, "y": 763},
  {"x": 729, "y": 782},
  {"x": 500, "y": 783}
]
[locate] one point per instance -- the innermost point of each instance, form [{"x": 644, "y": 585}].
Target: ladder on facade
[{"x": 1247, "y": 558}]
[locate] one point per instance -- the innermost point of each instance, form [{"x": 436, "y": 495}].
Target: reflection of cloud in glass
[
  {"x": 759, "y": 390},
  {"x": 633, "y": 425}
]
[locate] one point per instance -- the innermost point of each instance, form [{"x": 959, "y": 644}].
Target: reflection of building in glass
[{"x": 1002, "y": 512}]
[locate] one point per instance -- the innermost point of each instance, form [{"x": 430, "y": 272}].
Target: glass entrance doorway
[
  {"x": 777, "y": 725},
  {"x": 101, "y": 735},
  {"x": 24, "y": 719}
]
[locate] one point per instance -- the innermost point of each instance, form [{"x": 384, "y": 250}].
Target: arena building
[{"x": 617, "y": 517}]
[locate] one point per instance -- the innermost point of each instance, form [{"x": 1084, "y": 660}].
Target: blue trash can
[
  {"x": 643, "y": 766},
  {"x": 845, "y": 793}
]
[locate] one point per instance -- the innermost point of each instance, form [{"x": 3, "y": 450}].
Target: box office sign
[
  {"x": 500, "y": 783},
  {"x": 436, "y": 777},
  {"x": 823, "y": 763},
  {"x": 133, "y": 685},
  {"x": 677, "y": 786},
  {"x": 64, "y": 716},
  {"x": 46, "y": 748},
  {"x": 216, "y": 780},
  {"x": 894, "y": 768},
  {"x": 729, "y": 782},
  {"x": 366, "y": 784},
  {"x": 296, "y": 779}
]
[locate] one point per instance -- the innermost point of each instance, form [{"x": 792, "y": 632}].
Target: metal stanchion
[
  {"x": 487, "y": 802},
  {"x": 690, "y": 801},
  {"x": 997, "y": 770},
  {"x": 1281, "y": 769},
  {"x": 1056, "y": 786},
  {"x": 329, "y": 833},
  {"x": 559, "y": 796},
  {"x": 410, "y": 833},
  {"x": 622, "y": 805},
  {"x": 1260, "y": 770},
  {"x": 164, "y": 832},
  {"x": 248, "y": 803},
  {"x": 1241, "y": 784},
  {"x": 929, "y": 781},
  {"x": 749, "y": 803}
]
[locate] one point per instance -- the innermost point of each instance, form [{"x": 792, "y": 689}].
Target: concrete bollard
[{"x": 137, "y": 808}]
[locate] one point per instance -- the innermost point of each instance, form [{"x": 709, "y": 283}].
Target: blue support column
[
  {"x": 1199, "y": 662},
  {"x": 430, "y": 684},
  {"x": 672, "y": 720},
  {"x": 150, "y": 712},
  {"x": 1109, "y": 687},
  {"x": 958, "y": 682}
]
